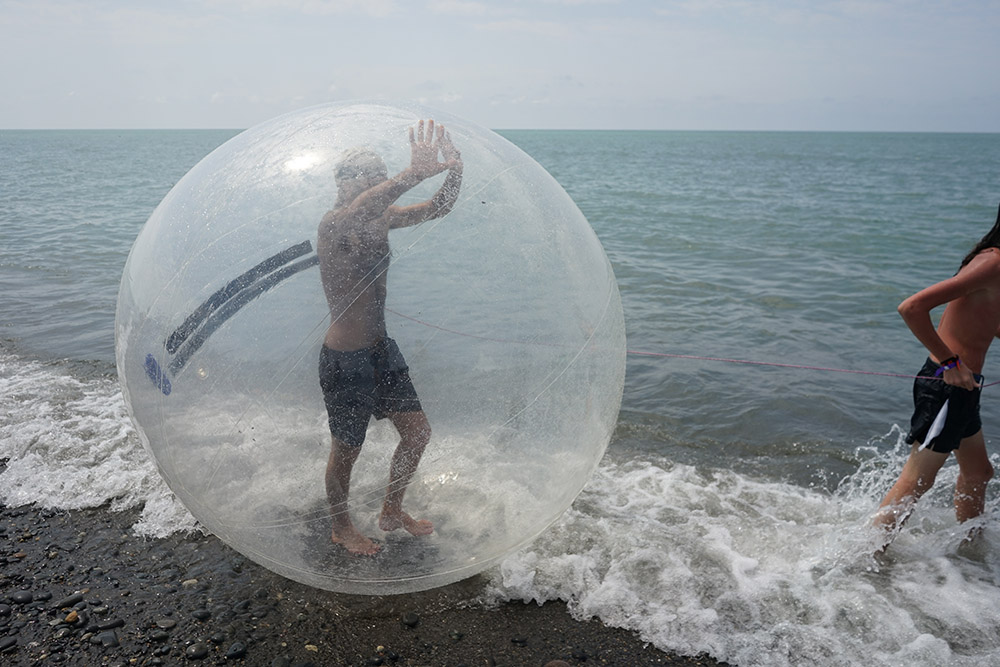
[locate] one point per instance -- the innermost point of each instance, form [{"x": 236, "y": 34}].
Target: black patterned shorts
[
  {"x": 361, "y": 384},
  {"x": 930, "y": 393}
]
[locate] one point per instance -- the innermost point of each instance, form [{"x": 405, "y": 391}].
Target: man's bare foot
[
  {"x": 356, "y": 543},
  {"x": 391, "y": 521}
]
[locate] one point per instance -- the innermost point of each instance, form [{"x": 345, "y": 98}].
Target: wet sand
[{"x": 79, "y": 588}]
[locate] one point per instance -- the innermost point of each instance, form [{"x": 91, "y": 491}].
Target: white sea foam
[
  {"x": 759, "y": 572},
  {"x": 69, "y": 444}
]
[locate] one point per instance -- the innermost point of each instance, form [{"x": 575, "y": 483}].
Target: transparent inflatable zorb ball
[{"x": 506, "y": 312}]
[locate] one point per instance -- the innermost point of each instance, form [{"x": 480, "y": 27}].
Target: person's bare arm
[
  {"x": 982, "y": 273},
  {"x": 376, "y": 201},
  {"x": 444, "y": 199}
]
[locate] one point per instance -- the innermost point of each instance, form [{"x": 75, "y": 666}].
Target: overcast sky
[{"x": 898, "y": 65}]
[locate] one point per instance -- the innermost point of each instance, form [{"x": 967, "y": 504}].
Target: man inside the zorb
[{"x": 362, "y": 372}]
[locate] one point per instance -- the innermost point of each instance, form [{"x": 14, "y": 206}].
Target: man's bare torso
[
  {"x": 970, "y": 323},
  {"x": 354, "y": 261}
]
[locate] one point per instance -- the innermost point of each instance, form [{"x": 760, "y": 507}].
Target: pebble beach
[{"x": 79, "y": 588}]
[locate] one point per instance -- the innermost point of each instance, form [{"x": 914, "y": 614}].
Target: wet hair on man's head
[{"x": 359, "y": 162}]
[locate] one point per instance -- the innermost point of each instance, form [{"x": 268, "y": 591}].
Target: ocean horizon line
[{"x": 541, "y": 129}]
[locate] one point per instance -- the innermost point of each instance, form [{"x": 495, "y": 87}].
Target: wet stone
[
  {"x": 197, "y": 651},
  {"x": 236, "y": 651},
  {"x": 21, "y": 597},
  {"x": 159, "y": 635},
  {"x": 111, "y": 625},
  {"x": 202, "y": 614},
  {"x": 5, "y": 610},
  {"x": 7, "y": 643},
  {"x": 109, "y": 639},
  {"x": 411, "y": 620},
  {"x": 69, "y": 601},
  {"x": 165, "y": 623}
]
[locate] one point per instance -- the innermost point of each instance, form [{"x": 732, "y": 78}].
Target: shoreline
[{"x": 79, "y": 588}]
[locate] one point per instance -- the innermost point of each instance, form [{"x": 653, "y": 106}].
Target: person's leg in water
[
  {"x": 974, "y": 473},
  {"x": 338, "y": 486},
  {"x": 916, "y": 478},
  {"x": 414, "y": 434}
]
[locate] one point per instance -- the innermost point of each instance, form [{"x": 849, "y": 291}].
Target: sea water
[{"x": 729, "y": 514}]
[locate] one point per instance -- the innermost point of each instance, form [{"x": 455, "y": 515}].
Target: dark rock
[
  {"x": 7, "y": 643},
  {"x": 69, "y": 601},
  {"x": 202, "y": 614},
  {"x": 111, "y": 625},
  {"x": 21, "y": 597},
  {"x": 411, "y": 620},
  {"x": 198, "y": 651},
  {"x": 106, "y": 639},
  {"x": 236, "y": 651}
]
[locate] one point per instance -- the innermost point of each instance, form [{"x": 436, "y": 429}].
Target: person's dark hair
[{"x": 991, "y": 240}]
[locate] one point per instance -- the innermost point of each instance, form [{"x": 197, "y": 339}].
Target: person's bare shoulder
[
  {"x": 982, "y": 271},
  {"x": 987, "y": 260}
]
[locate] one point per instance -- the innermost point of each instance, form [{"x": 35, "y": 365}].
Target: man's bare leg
[
  {"x": 415, "y": 433},
  {"x": 916, "y": 478},
  {"x": 338, "y": 485},
  {"x": 974, "y": 473}
]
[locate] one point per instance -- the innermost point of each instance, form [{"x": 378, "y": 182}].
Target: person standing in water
[
  {"x": 946, "y": 395},
  {"x": 362, "y": 372}
]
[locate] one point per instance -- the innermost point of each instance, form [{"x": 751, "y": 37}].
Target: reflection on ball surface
[{"x": 442, "y": 281}]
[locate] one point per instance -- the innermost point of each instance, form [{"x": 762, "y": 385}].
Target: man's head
[{"x": 360, "y": 166}]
